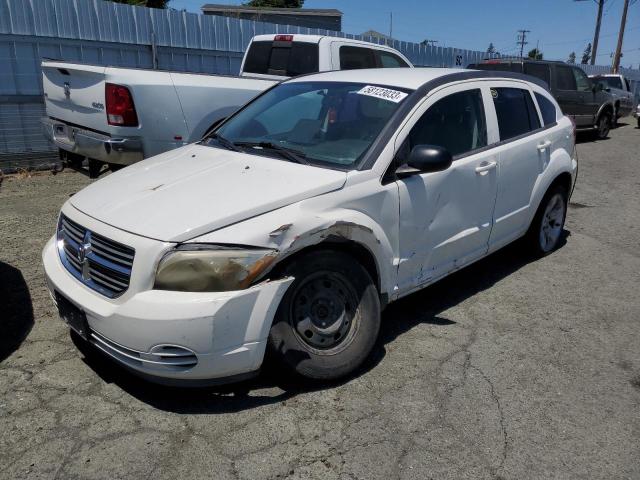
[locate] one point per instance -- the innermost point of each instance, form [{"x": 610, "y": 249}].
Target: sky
[{"x": 558, "y": 27}]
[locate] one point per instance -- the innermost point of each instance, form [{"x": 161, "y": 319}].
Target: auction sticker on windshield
[{"x": 384, "y": 93}]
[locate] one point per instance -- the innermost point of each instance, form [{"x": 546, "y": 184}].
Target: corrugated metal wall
[{"x": 107, "y": 33}]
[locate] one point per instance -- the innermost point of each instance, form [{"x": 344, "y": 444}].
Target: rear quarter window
[
  {"x": 353, "y": 58},
  {"x": 547, "y": 108},
  {"x": 538, "y": 70}
]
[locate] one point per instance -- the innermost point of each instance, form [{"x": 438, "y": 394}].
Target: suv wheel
[
  {"x": 603, "y": 126},
  {"x": 546, "y": 229},
  {"x": 328, "y": 320}
]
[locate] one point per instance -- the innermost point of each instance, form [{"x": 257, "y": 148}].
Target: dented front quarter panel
[{"x": 363, "y": 212}]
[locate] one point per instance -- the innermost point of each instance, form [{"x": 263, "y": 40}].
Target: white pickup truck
[
  {"x": 620, "y": 89},
  {"x": 118, "y": 116}
]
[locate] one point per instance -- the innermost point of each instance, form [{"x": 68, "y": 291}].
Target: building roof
[{"x": 318, "y": 12}]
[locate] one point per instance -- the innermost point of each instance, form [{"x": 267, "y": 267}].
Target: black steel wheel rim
[{"x": 323, "y": 312}]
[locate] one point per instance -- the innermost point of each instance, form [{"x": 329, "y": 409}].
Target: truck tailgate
[{"x": 75, "y": 94}]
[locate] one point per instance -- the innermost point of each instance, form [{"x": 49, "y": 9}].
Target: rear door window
[
  {"x": 288, "y": 59},
  {"x": 538, "y": 70},
  {"x": 353, "y": 58},
  {"x": 547, "y": 108},
  {"x": 515, "y": 111},
  {"x": 565, "y": 79},
  {"x": 390, "y": 60}
]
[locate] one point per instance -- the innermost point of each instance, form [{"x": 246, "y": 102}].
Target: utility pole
[
  {"x": 522, "y": 40},
  {"x": 390, "y": 26},
  {"x": 596, "y": 35},
  {"x": 623, "y": 22}
]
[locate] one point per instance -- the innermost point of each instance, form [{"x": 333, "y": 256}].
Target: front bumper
[
  {"x": 226, "y": 332},
  {"x": 122, "y": 151}
]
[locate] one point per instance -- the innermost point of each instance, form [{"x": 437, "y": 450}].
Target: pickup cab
[
  {"x": 620, "y": 89},
  {"x": 118, "y": 116}
]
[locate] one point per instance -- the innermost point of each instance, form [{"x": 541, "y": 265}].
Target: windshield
[{"x": 322, "y": 123}]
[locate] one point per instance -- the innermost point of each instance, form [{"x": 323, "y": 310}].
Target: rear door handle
[
  {"x": 485, "y": 167},
  {"x": 544, "y": 145}
]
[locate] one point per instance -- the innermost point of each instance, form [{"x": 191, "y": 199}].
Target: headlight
[{"x": 211, "y": 268}]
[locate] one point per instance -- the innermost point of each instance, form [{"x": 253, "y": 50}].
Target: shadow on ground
[
  {"x": 424, "y": 306},
  {"x": 16, "y": 311}
]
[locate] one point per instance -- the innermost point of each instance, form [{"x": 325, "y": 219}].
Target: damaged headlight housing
[{"x": 211, "y": 268}]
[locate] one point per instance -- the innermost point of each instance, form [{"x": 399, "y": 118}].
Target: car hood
[{"x": 185, "y": 193}]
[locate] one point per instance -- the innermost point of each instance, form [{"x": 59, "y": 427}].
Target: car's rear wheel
[
  {"x": 328, "y": 321},
  {"x": 603, "y": 126},
  {"x": 545, "y": 232}
]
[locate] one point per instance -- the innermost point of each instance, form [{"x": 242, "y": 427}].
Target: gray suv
[{"x": 580, "y": 98}]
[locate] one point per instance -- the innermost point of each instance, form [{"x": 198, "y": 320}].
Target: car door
[
  {"x": 568, "y": 96},
  {"x": 523, "y": 154},
  {"x": 591, "y": 97},
  {"x": 446, "y": 217}
]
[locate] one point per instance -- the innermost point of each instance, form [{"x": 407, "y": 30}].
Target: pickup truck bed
[{"x": 178, "y": 108}]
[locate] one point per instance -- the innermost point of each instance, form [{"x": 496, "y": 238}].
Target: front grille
[{"x": 100, "y": 263}]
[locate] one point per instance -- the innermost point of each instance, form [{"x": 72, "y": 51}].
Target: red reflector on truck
[
  {"x": 120, "y": 108},
  {"x": 283, "y": 38}
]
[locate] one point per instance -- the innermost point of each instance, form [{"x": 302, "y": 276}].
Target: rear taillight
[{"x": 120, "y": 108}]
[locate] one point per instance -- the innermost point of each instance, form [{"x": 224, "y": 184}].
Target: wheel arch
[{"x": 357, "y": 250}]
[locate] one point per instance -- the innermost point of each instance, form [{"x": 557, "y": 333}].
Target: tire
[
  {"x": 545, "y": 231},
  {"x": 329, "y": 286},
  {"x": 95, "y": 166},
  {"x": 603, "y": 126}
]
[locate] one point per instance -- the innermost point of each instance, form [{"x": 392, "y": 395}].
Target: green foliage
[
  {"x": 535, "y": 54},
  {"x": 145, "y": 3},
  {"x": 491, "y": 49},
  {"x": 572, "y": 58},
  {"x": 275, "y": 3},
  {"x": 586, "y": 55}
]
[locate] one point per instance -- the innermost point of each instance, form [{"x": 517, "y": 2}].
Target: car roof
[{"x": 410, "y": 78}]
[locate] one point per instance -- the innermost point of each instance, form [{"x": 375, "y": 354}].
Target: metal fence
[{"x": 107, "y": 33}]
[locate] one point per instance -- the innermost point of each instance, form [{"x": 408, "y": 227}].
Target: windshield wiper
[
  {"x": 290, "y": 154},
  {"x": 225, "y": 142}
]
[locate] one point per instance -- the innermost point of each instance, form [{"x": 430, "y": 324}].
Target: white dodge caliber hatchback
[{"x": 301, "y": 216}]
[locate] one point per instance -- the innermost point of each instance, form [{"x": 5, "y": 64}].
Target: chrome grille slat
[
  {"x": 103, "y": 277},
  {"x": 99, "y": 250},
  {"x": 100, "y": 263}
]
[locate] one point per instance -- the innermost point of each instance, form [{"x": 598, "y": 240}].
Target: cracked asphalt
[{"x": 510, "y": 369}]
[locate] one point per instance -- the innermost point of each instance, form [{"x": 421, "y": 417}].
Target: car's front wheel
[
  {"x": 328, "y": 321},
  {"x": 545, "y": 232}
]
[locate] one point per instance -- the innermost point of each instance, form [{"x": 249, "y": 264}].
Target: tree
[
  {"x": 491, "y": 50},
  {"x": 572, "y": 58},
  {"x": 586, "y": 55},
  {"x": 275, "y": 3},
  {"x": 535, "y": 54},
  {"x": 145, "y": 3}
]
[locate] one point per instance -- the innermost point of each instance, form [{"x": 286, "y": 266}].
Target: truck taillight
[{"x": 120, "y": 108}]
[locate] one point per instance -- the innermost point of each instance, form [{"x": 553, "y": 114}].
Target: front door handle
[
  {"x": 544, "y": 145},
  {"x": 485, "y": 167}
]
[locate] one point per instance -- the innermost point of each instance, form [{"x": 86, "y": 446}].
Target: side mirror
[{"x": 425, "y": 159}]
